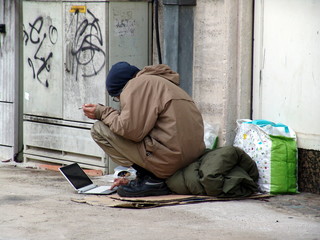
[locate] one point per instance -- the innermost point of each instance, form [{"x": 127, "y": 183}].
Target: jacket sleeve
[{"x": 138, "y": 115}]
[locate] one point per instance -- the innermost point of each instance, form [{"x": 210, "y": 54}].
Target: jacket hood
[{"x": 161, "y": 70}]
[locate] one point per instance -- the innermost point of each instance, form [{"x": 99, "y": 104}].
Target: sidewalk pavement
[{"x": 36, "y": 204}]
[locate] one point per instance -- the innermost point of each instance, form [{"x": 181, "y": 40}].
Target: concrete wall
[
  {"x": 222, "y": 59},
  {"x": 222, "y": 63}
]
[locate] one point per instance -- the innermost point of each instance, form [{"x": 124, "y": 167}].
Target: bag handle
[{"x": 263, "y": 123}]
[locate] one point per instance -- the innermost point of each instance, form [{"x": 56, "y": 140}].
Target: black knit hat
[{"x": 119, "y": 74}]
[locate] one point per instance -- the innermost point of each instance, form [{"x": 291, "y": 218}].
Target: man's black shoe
[{"x": 147, "y": 187}]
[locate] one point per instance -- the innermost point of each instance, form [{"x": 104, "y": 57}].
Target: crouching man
[{"x": 157, "y": 131}]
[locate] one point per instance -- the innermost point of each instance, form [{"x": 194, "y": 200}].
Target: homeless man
[{"x": 157, "y": 131}]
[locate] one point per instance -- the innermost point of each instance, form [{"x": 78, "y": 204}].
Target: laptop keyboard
[{"x": 99, "y": 189}]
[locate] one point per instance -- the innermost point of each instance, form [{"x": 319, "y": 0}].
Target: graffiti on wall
[
  {"x": 86, "y": 48},
  {"x": 40, "y": 37},
  {"x": 124, "y": 24},
  {"x": 87, "y": 45}
]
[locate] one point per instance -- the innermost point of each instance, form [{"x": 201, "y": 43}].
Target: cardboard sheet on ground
[{"x": 154, "y": 201}]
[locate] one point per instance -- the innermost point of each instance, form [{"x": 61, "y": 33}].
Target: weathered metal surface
[
  {"x": 129, "y": 33},
  {"x": 67, "y": 50},
  {"x": 85, "y": 53},
  {"x": 7, "y": 51},
  {"x": 6, "y": 124},
  {"x": 42, "y": 58},
  {"x": 6, "y": 131},
  {"x": 56, "y": 137},
  {"x": 178, "y": 42},
  {"x": 9, "y": 78}
]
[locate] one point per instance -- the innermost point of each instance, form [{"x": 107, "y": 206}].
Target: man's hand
[
  {"x": 89, "y": 110},
  {"x": 119, "y": 182}
]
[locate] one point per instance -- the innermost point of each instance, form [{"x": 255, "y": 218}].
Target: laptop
[{"x": 81, "y": 182}]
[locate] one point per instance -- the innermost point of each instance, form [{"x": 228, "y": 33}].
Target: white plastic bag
[
  {"x": 273, "y": 147},
  {"x": 127, "y": 172},
  {"x": 211, "y": 135}
]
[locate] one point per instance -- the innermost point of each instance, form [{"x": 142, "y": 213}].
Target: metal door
[
  {"x": 42, "y": 58},
  {"x": 85, "y": 52}
]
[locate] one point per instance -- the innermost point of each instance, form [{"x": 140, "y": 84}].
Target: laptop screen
[{"x": 76, "y": 176}]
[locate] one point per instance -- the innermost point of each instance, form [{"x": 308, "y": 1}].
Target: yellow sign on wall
[{"x": 81, "y": 9}]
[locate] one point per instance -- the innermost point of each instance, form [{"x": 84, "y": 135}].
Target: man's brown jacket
[{"x": 161, "y": 118}]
